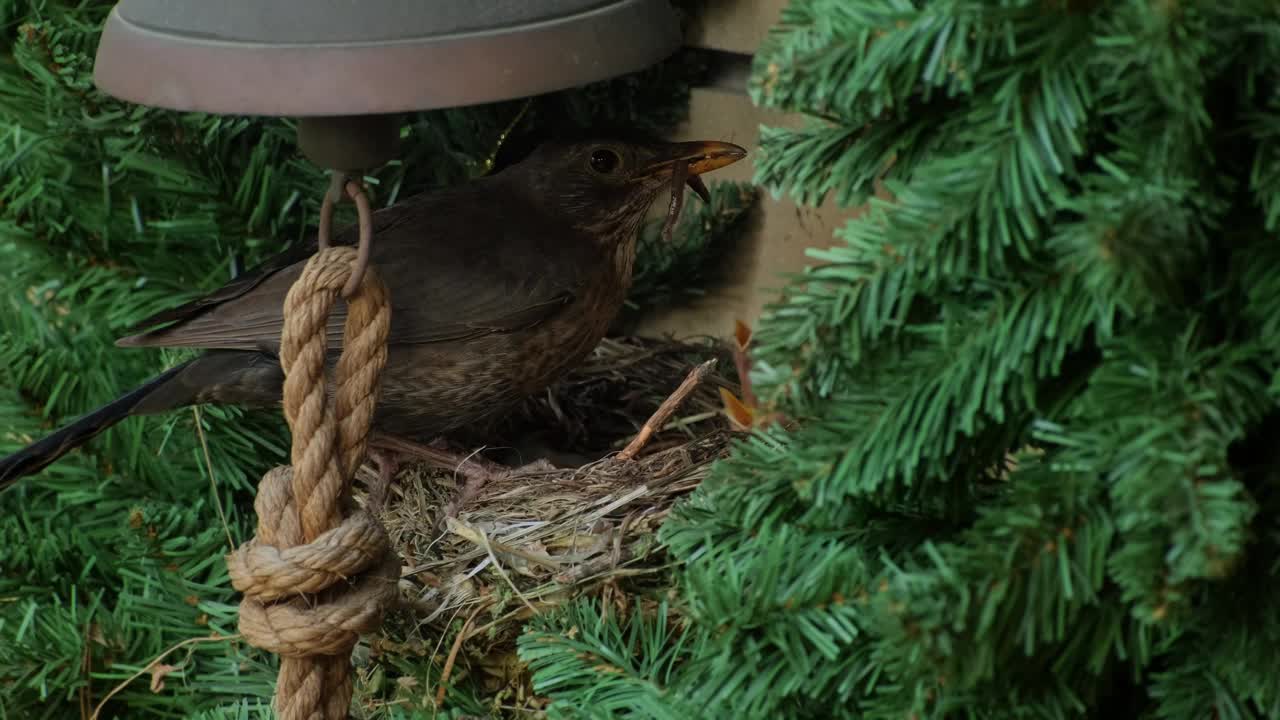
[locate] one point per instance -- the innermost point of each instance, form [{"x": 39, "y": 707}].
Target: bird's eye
[{"x": 605, "y": 161}]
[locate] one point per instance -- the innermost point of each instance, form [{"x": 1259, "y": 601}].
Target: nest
[{"x": 538, "y": 536}]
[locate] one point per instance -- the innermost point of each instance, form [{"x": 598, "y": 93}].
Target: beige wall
[
  {"x": 734, "y": 25},
  {"x": 781, "y": 231}
]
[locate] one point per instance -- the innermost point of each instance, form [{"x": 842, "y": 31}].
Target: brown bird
[{"x": 498, "y": 287}]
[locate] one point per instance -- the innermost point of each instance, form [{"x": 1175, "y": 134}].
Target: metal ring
[
  {"x": 339, "y": 186},
  {"x": 356, "y": 193},
  {"x": 331, "y": 198}
]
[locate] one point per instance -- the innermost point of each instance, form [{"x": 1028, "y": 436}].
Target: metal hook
[
  {"x": 339, "y": 186},
  {"x": 357, "y": 194},
  {"x": 331, "y": 198}
]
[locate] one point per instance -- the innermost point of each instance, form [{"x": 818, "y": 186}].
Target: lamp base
[
  {"x": 350, "y": 143},
  {"x": 338, "y": 57}
]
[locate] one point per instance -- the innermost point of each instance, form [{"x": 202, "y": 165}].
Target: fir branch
[
  {"x": 1181, "y": 513},
  {"x": 601, "y": 666},
  {"x": 246, "y": 709},
  {"x": 166, "y": 553},
  {"x": 1019, "y": 595},
  {"x": 971, "y": 369},
  {"x": 1264, "y": 180},
  {"x": 1223, "y": 664},
  {"x": 1139, "y": 240},
  {"x": 1069, "y": 258},
  {"x": 799, "y": 624},
  {"x": 862, "y": 44},
  {"x": 1152, "y": 67},
  {"x": 1260, "y": 285}
]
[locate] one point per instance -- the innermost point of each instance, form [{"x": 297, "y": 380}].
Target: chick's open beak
[{"x": 699, "y": 157}]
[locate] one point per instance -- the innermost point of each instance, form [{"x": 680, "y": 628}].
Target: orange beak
[{"x": 700, "y": 157}]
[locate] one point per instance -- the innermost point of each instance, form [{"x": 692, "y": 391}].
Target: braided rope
[{"x": 319, "y": 573}]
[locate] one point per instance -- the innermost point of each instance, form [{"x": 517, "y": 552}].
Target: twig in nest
[
  {"x": 482, "y": 541},
  {"x": 620, "y": 554},
  {"x": 497, "y": 566},
  {"x": 742, "y": 361},
  {"x": 660, "y": 416},
  {"x": 453, "y": 653},
  {"x": 597, "y": 566}
]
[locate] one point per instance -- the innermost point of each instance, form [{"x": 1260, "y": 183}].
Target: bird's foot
[
  {"x": 389, "y": 450},
  {"x": 435, "y": 454},
  {"x": 477, "y": 477},
  {"x": 471, "y": 488},
  {"x": 477, "y": 470},
  {"x": 537, "y": 466},
  {"x": 388, "y": 463}
]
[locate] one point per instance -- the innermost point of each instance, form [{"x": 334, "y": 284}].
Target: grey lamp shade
[{"x": 356, "y": 57}]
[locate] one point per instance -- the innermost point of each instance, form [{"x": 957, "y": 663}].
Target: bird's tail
[
  {"x": 243, "y": 377},
  {"x": 156, "y": 395}
]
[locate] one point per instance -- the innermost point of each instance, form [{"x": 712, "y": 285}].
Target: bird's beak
[{"x": 700, "y": 157}]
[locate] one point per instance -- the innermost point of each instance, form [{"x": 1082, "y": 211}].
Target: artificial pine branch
[
  {"x": 600, "y": 665},
  {"x": 1032, "y": 386}
]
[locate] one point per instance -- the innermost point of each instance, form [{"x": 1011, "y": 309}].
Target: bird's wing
[
  {"x": 455, "y": 266},
  {"x": 383, "y": 221}
]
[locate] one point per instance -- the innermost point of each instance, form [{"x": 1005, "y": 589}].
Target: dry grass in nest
[{"x": 536, "y": 537}]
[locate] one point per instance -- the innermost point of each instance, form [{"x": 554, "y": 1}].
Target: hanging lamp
[{"x": 347, "y": 68}]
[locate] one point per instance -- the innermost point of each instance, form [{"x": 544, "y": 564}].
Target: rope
[{"x": 320, "y": 572}]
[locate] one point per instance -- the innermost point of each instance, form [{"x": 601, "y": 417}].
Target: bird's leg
[
  {"x": 434, "y": 454},
  {"x": 470, "y": 489},
  {"x": 388, "y": 463},
  {"x": 539, "y": 465},
  {"x": 478, "y": 471},
  {"x": 475, "y": 469}
]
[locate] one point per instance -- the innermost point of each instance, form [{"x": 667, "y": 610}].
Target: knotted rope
[{"x": 320, "y": 572}]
